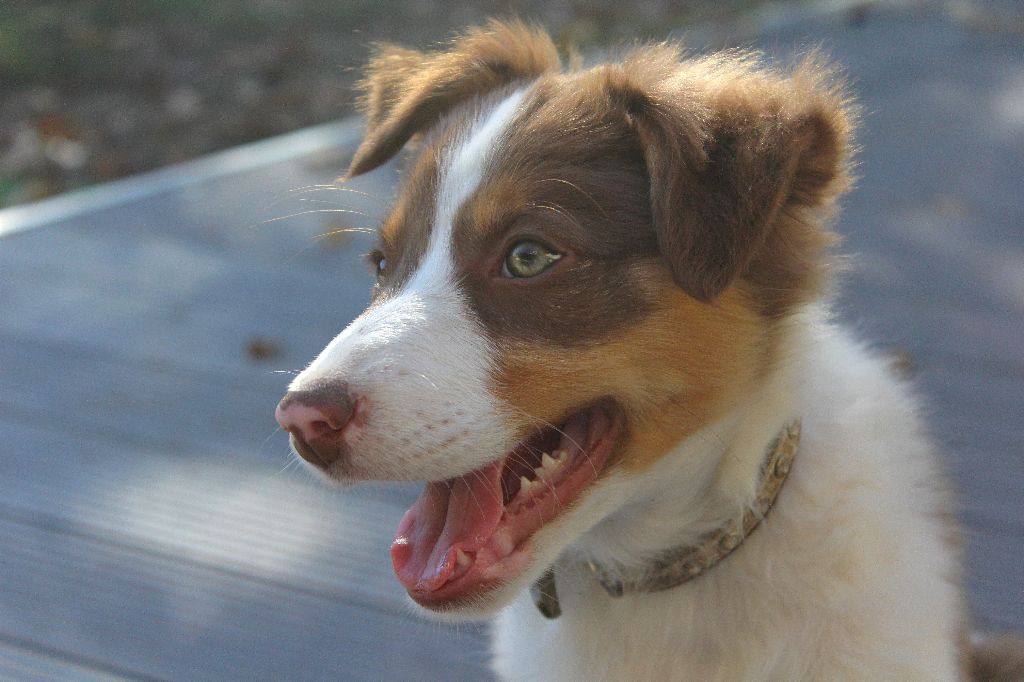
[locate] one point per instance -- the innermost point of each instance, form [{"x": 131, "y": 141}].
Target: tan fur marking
[{"x": 672, "y": 373}]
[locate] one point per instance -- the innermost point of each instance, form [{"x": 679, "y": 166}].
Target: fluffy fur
[
  {"x": 687, "y": 201},
  {"x": 849, "y": 578}
]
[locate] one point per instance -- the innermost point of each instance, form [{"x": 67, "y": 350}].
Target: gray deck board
[
  {"x": 21, "y": 661},
  {"x": 260, "y": 521},
  {"x": 151, "y": 520},
  {"x": 162, "y": 617}
]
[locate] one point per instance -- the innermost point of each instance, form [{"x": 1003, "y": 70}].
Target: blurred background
[
  {"x": 94, "y": 90},
  {"x": 175, "y": 248}
]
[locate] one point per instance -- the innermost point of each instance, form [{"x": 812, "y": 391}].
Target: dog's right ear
[
  {"x": 733, "y": 150},
  {"x": 406, "y": 91}
]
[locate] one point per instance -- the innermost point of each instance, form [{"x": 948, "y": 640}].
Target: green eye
[{"x": 528, "y": 259}]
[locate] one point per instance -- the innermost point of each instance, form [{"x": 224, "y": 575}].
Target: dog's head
[{"x": 582, "y": 268}]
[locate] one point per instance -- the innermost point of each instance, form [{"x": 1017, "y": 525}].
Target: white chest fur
[{"x": 850, "y": 578}]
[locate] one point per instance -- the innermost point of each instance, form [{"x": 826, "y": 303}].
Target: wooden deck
[{"x": 152, "y": 524}]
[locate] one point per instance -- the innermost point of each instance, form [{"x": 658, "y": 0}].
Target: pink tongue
[{"x": 461, "y": 513}]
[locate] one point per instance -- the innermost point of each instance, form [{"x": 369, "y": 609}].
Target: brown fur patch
[
  {"x": 584, "y": 195},
  {"x": 738, "y": 157},
  {"x": 404, "y": 236},
  {"x": 406, "y": 92}
]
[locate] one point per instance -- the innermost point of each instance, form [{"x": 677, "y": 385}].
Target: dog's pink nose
[{"x": 316, "y": 419}]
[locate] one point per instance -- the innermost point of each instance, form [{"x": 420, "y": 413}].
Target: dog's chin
[
  {"x": 479, "y": 604},
  {"x": 470, "y": 544}
]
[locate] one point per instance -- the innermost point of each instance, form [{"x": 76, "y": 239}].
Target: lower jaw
[
  {"x": 472, "y": 590},
  {"x": 507, "y": 553}
]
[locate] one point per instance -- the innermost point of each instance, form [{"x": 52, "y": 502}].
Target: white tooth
[
  {"x": 524, "y": 485},
  {"x": 462, "y": 559},
  {"x": 502, "y": 544},
  {"x": 548, "y": 463}
]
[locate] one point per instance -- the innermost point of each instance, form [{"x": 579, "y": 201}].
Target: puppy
[{"x": 600, "y": 333}]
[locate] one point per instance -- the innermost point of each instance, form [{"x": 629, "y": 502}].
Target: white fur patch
[
  {"x": 460, "y": 177},
  {"x": 418, "y": 361}
]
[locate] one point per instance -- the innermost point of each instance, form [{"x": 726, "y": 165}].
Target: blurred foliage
[{"x": 96, "y": 89}]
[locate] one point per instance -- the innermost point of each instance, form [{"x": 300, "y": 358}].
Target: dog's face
[{"x": 581, "y": 270}]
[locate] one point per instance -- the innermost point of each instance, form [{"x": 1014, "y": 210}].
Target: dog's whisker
[
  {"x": 307, "y": 200},
  {"x": 298, "y": 194},
  {"x": 310, "y": 189},
  {"x": 293, "y": 460},
  {"x": 345, "y": 230},
  {"x": 430, "y": 381},
  {"x": 578, "y": 189},
  {"x": 496, "y": 496},
  {"x": 351, "y": 190},
  {"x": 268, "y": 438},
  {"x": 289, "y": 194},
  {"x": 298, "y": 253},
  {"x": 539, "y": 423},
  {"x": 351, "y": 211},
  {"x": 547, "y": 424},
  {"x": 479, "y": 477},
  {"x": 555, "y": 208}
]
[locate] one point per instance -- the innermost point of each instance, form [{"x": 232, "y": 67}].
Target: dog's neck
[
  {"x": 688, "y": 562},
  {"x": 710, "y": 483}
]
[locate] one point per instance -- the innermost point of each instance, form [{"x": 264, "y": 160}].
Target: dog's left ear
[
  {"x": 729, "y": 148},
  {"x": 406, "y": 91}
]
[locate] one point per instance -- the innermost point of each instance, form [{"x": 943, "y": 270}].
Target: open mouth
[{"x": 469, "y": 534}]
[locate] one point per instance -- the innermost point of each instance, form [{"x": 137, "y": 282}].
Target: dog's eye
[
  {"x": 378, "y": 262},
  {"x": 528, "y": 259}
]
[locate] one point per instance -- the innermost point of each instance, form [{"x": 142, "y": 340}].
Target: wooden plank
[
  {"x": 329, "y": 142},
  {"x": 174, "y": 621},
  {"x": 264, "y": 218},
  {"x": 26, "y": 662},
  {"x": 182, "y": 293},
  {"x": 157, "y": 406},
  {"x": 202, "y": 332},
  {"x": 995, "y": 576},
  {"x": 933, "y": 331},
  {"x": 241, "y": 517},
  {"x": 108, "y": 253}
]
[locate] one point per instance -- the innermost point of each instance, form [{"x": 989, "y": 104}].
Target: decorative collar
[{"x": 683, "y": 564}]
